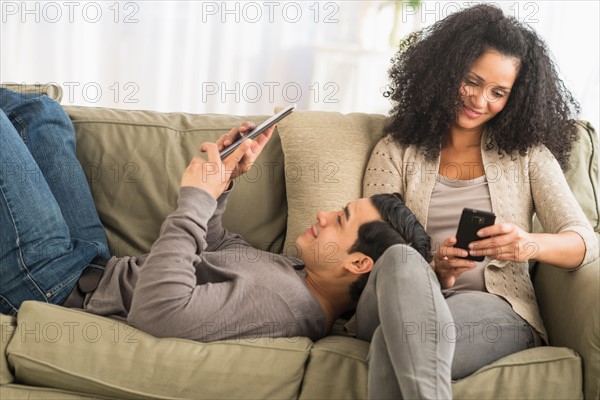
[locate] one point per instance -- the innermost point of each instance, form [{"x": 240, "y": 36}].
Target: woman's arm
[
  {"x": 569, "y": 241},
  {"x": 565, "y": 249}
]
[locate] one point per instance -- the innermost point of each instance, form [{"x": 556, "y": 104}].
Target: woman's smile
[{"x": 469, "y": 112}]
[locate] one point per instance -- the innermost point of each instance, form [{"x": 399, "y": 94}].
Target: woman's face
[{"x": 485, "y": 89}]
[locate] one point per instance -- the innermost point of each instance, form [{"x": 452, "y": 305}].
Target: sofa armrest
[{"x": 569, "y": 302}]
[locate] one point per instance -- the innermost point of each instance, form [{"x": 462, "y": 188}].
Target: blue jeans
[{"x": 49, "y": 227}]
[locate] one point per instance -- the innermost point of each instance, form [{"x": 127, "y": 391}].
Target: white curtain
[{"x": 246, "y": 57}]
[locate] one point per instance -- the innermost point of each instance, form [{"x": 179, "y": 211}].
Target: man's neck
[{"x": 333, "y": 297}]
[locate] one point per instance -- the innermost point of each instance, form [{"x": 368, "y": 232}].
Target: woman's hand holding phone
[
  {"x": 505, "y": 242},
  {"x": 449, "y": 263},
  {"x": 453, "y": 258}
]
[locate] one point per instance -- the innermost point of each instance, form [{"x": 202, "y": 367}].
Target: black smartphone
[
  {"x": 258, "y": 130},
  {"x": 471, "y": 221}
]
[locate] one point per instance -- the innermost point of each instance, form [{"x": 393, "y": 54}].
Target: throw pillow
[{"x": 325, "y": 155}]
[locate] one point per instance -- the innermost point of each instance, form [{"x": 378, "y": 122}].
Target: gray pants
[{"x": 422, "y": 338}]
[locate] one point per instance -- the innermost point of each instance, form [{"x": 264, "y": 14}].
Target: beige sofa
[{"x": 134, "y": 159}]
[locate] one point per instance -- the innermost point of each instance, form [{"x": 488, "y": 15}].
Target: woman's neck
[{"x": 461, "y": 138}]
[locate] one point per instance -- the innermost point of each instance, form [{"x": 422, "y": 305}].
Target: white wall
[{"x": 250, "y": 56}]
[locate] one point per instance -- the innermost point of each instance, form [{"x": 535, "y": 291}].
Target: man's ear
[{"x": 358, "y": 263}]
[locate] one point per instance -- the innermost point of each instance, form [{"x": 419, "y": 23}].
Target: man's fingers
[
  {"x": 234, "y": 158},
  {"x": 235, "y": 133},
  {"x": 263, "y": 138},
  {"x": 211, "y": 150},
  {"x": 247, "y": 126},
  {"x": 230, "y": 136},
  {"x": 222, "y": 142}
]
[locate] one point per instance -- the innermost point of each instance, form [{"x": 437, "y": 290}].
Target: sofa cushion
[
  {"x": 73, "y": 350},
  {"x": 570, "y": 306},
  {"x": 314, "y": 144},
  {"x": 539, "y": 373},
  {"x": 24, "y": 392},
  {"x": 8, "y": 325},
  {"x": 337, "y": 369},
  {"x": 134, "y": 160}
]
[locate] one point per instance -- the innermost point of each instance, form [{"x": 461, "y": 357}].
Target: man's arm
[
  {"x": 167, "y": 300},
  {"x": 166, "y": 292},
  {"x": 217, "y": 237},
  {"x": 221, "y": 172}
]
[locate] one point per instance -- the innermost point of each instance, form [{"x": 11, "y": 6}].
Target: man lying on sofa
[{"x": 198, "y": 281}]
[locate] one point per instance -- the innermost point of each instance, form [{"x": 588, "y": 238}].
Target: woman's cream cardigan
[{"x": 519, "y": 187}]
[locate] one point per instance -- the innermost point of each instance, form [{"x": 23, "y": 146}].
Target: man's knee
[
  {"x": 400, "y": 260},
  {"x": 46, "y": 106},
  {"x": 11, "y": 100},
  {"x": 24, "y": 103}
]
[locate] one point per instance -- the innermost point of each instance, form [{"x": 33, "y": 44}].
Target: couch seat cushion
[
  {"x": 24, "y": 392},
  {"x": 72, "y": 350},
  {"x": 338, "y": 369},
  {"x": 539, "y": 373}
]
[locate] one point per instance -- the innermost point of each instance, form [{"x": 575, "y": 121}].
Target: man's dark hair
[{"x": 399, "y": 226}]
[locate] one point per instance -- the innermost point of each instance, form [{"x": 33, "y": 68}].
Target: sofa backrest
[
  {"x": 134, "y": 160},
  {"x": 315, "y": 161},
  {"x": 583, "y": 175}
]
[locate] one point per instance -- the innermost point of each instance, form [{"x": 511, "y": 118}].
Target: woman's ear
[{"x": 358, "y": 263}]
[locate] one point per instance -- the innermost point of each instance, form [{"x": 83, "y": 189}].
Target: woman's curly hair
[{"x": 431, "y": 64}]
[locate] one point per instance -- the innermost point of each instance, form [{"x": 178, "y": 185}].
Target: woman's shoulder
[
  {"x": 390, "y": 145},
  {"x": 534, "y": 153},
  {"x": 388, "y": 152},
  {"x": 540, "y": 152}
]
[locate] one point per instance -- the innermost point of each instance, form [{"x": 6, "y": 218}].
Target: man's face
[{"x": 326, "y": 242}]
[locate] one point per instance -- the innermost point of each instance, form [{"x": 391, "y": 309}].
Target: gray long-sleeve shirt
[{"x": 203, "y": 283}]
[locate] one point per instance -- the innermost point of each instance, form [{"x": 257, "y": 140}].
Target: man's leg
[
  {"x": 487, "y": 330},
  {"x": 49, "y": 135},
  {"x": 38, "y": 258},
  {"x": 403, "y": 313}
]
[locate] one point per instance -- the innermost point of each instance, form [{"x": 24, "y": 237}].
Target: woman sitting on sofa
[{"x": 481, "y": 120}]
